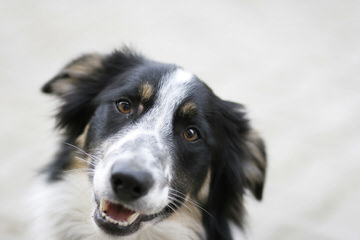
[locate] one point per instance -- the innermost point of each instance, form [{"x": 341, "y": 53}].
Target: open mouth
[
  {"x": 117, "y": 213},
  {"x": 116, "y": 219}
]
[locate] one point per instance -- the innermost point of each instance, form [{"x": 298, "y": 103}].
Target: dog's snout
[{"x": 130, "y": 183}]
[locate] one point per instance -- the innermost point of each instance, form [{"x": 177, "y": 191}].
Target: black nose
[{"x": 130, "y": 183}]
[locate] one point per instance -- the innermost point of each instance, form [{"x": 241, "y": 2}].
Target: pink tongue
[{"x": 118, "y": 212}]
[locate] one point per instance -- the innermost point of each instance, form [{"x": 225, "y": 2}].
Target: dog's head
[{"x": 155, "y": 138}]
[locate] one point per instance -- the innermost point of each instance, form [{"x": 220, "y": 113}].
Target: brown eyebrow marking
[
  {"x": 188, "y": 109},
  {"x": 146, "y": 91}
]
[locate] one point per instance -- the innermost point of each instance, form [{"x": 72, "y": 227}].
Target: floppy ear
[
  {"x": 80, "y": 81},
  {"x": 71, "y": 75},
  {"x": 244, "y": 150},
  {"x": 239, "y": 164}
]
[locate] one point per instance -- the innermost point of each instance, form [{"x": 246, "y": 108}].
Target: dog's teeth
[
  {"x": 109, "y": 219},
  {"x": 124, "y": 224},
  {"x": 103, "y": 206},
  {"x": 132, "y": 218}
]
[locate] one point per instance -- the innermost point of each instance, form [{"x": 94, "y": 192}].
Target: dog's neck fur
[{"x": 55, "y": 221}]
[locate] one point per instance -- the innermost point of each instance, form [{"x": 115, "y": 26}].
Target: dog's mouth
[
  {"x": 116, "y": 219},
  {"x": 117, "y": 213}
]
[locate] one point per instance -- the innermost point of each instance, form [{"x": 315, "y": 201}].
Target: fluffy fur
[{"x": 150, "y": 152}]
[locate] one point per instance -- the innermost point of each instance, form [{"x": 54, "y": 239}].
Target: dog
[{"x": 150, "y": 152}]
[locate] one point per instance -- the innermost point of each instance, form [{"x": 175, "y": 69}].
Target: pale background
[{"x": 294, "y": 64}]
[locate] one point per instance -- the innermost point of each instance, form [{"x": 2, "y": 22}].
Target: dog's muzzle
[{"x": 131, "y": 185}]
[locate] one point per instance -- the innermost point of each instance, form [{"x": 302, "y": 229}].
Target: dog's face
[
  {"x": 155, "y": 137},
  {"x": 151, "y": 144}
]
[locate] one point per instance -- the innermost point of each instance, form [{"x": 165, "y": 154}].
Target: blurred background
[{"x": 294, "y": 64}]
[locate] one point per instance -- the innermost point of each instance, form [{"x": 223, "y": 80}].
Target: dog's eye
[
  {"x": 124, "y": 106},
  {"x": 191, "y": 134}
]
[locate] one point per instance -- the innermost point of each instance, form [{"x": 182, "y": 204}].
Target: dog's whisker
[
  {"x": 184, "y": 196},
  {"x": 179, "y": 203},
  {"x": 86, "y": 161},
  {"x": 80, "y": 170},
  {"x": 175, "y": 194},
  {"x": 171, "y": 207},
  {"x": 84, "y": 152}
]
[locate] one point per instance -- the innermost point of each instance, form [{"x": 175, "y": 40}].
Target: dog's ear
[
  {"x": 71, "y": 75},
  {"x": 244, "y": 149},
  {"x": 239, "y": 164},
  {"x": 80, "y": 81},
  {"x": 76, "y": 85},
  {"x": 254, "y": 166}
]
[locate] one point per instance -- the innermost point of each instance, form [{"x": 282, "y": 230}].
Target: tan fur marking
[
  {"x": 253, "y": 168},
  {"x": 80, "y": 141},
  {"x": 253, "y": 142},
  {"x": 83, "y": 66},
  {"x": 205, "y": 188},
  {"x": 146, "y": 91},
  {"x": 188, "y": 109},
  {"x": 77, "y": 163},
  {"x": 64, "y": 86}
]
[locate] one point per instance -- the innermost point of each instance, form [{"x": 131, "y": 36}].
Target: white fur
[{"x": 63, "y": 211}]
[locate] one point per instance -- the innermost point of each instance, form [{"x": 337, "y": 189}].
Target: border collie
[{"x": 150, "y": 152}]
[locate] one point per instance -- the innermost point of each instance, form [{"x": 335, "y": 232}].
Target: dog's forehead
[
  {"x": 162, "y": 84},
  {"x": 173, "y": 89},
  {"x": 167, "y": 85},
  {"x": 176, "y": 86},
  {"x": 152, "y": 81}
]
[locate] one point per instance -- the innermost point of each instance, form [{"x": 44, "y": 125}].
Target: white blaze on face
[
  {"x": 154, "y": 126},
  {"x": 173, "y": 89}
]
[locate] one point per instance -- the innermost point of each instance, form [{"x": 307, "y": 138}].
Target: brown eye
[
  {"x": 124, "y": 106},
  {"x": 191, "y": 134}
]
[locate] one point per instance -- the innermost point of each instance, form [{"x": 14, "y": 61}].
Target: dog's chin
[{"x": 116, "y": 219}]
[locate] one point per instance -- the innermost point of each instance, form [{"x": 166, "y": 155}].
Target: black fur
[{"x": 228, "y": 181}]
